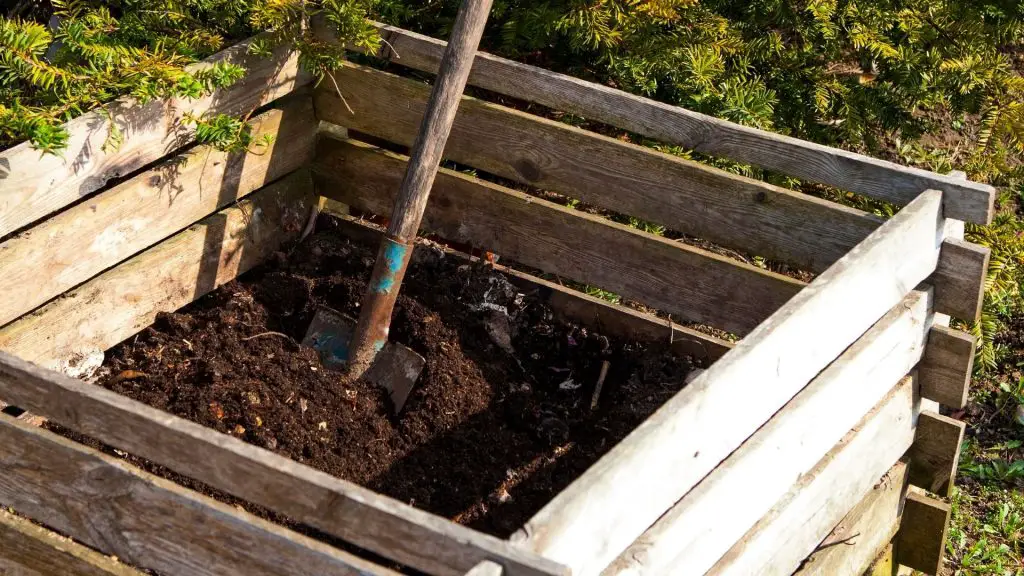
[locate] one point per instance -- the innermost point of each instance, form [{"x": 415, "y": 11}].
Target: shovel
[{"x": 362, "y": 346}]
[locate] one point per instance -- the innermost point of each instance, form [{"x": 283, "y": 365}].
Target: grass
[{"x": 986, "y": 535}]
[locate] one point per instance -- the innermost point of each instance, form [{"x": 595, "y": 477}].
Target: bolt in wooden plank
[
  {"x": 921, "y": 542},
  {"x": 935, "y": 453},
  {"x": 947, "y": 366}
]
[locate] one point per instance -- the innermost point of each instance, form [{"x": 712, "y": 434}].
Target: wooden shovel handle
[{"x": 438, "y": 119}]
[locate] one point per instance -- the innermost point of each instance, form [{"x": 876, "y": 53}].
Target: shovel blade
[{"x": 396, "y": 368}]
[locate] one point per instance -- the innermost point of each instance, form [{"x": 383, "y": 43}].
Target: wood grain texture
[
  {"x": 574, "y": 306},
  {"x": 885, "y": 564},
  {"x": 921, "y": 542},
  {"x": 690, "y": 197},
  {"x": 687, "y": 196},
  {"x": 602, "y": 512},
  {"x": 936, "y": 453},
  {"x": 805, "y": 519},
  {"x": 689, "y": 283},
  {"x": 960, "y": 278},
  {"x": 964, "y": 200},
  {"x": 75, "y": 245},
  {"x": 33, "y": 185},
  {"x": 126, "y": 299},
  {"x": 27, "y": 549},
  {"x": 694, "y": 533},
  {"x": 148, "y": 521},
  {"x": 947, "y": 366},
  {"x": 855, "y": 541},
  {"x": 392, "y": 529}
]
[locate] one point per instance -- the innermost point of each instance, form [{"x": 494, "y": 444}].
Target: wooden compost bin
[{"x": 791, "y": 453}]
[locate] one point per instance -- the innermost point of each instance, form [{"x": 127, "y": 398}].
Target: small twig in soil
[
  {"x": 266, "y": 334},
  {"x": 600, "y": 384}
]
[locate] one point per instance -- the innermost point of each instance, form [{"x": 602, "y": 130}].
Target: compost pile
[{"x": 500, "y": 420}]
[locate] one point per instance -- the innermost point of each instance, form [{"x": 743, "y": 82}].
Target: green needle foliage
[
  {"x": 922, "y": 82},
  {"x": 104, "y": 49}
]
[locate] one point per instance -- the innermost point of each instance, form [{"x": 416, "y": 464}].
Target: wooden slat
[
  {"x": 688, "y": 282},
  {"x": 694, "y": 533},
  {"x": 392, "y": 529},
  {"x": 574, "y": 306},
  {"x": 79, "y": 243},
  {"x": 805, "y": 518},
  {"x": 147, "y": 521},
  {"x": 854, "y": 543},
  {"x": 885, "y": 564},
  {"x": 27, "y": 549},
  {"x": 846, "y": 170},
  {"x": 126, "y": 299},
  {"x": 603, "y": 511},
  {"x": 960, "y": 278},
  {"x": 693, "y": 198},
  {"x": 921, "y": 542},
  {"x": 33, "y": 185},
  {"x": 947, "y": 366},
  {"x": 683, "y": 195},
  {"x": 936, "y": 453}
]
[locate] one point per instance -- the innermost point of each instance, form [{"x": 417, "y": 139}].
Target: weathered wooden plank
[
  {"x": 609, "y": 319},
  {"x": 694, "y": 532},
  {"x": 126, "y": 299},
  {"x": 854, "y": 543},
  {"x": 936, "y": 453},
  {"x": 687, "y": 282},
  {"x": 390, "y": 528},
  {"x": 960, "y": 278},
  {"x": 33, "y": 185},
  {"x": 603, "y": 511},
  {"x": 75, "y": 245},
  {"x": 947, "y": 366},
  {"x": 148, "y": 521},
  {"x": 27, "y": 549},
  {"x": 921, "y": 542},
  {"x": 687, "y": 196},
  {"x": 885, "y": 564},
  {"x": 964, "y": 200}
]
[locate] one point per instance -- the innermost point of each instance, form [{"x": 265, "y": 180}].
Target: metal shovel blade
[{"x": 396, "y": 368}]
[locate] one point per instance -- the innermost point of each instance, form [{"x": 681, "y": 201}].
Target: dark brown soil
[{"x": 490, "y": 434}]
